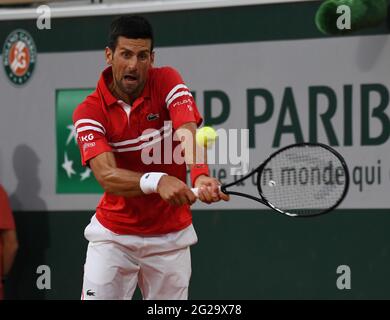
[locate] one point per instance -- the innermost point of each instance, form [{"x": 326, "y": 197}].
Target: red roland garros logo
[{"x": 19, "y": 56}]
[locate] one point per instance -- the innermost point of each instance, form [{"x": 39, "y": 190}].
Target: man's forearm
[
  {"x": 115, "y": 180},
  {"x": 193, "y": 153},
  {"x": 10, "y": 248},
  {"x": 8, "y": 259},
  {"x": 122, "y": 182}
]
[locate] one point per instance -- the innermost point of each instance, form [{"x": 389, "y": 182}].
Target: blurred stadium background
[{"x": 260, "y": 65}]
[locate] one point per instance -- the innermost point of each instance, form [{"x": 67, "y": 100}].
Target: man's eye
[
  {"x": 125, "y": 55},
  {"x": 143, "y": 56}
]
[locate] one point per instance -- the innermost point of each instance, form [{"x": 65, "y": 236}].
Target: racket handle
[{"x": 196, "y": 191}]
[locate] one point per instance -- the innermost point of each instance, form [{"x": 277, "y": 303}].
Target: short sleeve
[
  {"x": 178, "y": 99},
  {"x": 89, "y": 123},
  {"x": 6, "y": 218}
]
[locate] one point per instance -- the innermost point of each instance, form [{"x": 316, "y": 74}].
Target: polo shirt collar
[
  {"x": 104, "y": 81},
  {"x": 109, "y": 98}
]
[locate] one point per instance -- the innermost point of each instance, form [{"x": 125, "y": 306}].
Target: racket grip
[{"x": 196, "y": 191}]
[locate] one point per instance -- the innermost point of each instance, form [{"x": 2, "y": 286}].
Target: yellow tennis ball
[{"x": 206, "y": 136}]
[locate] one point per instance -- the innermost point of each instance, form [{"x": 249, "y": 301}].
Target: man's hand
[
  {"x": 175, "y": 191},
  {"x": 209, "y": 190}
]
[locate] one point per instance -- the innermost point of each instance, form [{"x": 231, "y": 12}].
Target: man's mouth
[{"x": 130, "y": 78}]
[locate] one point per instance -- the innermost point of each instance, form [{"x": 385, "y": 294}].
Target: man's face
[{"x": 130, "y": 62}]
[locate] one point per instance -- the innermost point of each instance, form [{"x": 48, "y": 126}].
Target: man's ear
[
  {"x": 109, "y": 55},
  {"x": 152, "y": 57}
]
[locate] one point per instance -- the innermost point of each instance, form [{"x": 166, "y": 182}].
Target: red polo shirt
[
  {"x": 6, "y": 223},
  {"x": 140, "y": 138}
]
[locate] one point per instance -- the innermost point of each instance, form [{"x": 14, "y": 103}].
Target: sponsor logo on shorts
[{"x": 90, "y": 293}]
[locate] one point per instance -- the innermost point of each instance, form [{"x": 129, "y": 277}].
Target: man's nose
[{"x": 133, "y": 62}]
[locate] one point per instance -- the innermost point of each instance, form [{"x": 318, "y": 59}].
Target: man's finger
[
  {"x": 190, "y": 197},
  {"x": 224, "y": 196},
  {"x": 204, "y": 195},
  {"x": 215, "y": 190}
]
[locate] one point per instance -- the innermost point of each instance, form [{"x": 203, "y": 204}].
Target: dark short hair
[{"x": 131, "y": 27}]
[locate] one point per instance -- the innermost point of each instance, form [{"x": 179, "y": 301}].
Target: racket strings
[{"x": 303, "y": 180}]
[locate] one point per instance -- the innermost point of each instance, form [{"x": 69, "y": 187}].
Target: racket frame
[{"x": 260, "y": 168}]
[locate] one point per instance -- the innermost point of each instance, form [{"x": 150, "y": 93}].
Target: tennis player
[{"x": 142, "y": 230}]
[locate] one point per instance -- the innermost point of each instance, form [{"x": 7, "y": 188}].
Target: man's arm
[
  {"x": 126, "y": 183},
  {"x": 114, "y": 180},
  {"x": 194, "y": 154},
  {"x": 10, "y": 247}
]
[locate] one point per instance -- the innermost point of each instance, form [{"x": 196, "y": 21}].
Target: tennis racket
[{"x": 299, "y": 180}]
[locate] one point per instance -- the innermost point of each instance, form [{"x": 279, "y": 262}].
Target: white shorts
[{"x": 161, "y": 265}]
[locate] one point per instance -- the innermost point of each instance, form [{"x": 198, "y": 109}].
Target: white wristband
[{"x": 149, "y": 181}]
